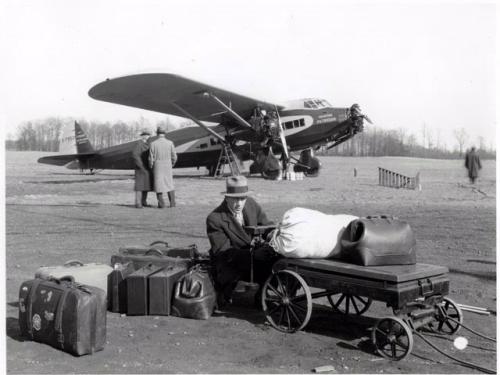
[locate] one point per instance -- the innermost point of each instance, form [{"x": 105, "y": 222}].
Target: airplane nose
[{"x": 356, "y": 114}]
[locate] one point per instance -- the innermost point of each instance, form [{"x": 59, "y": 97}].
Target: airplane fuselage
[{"x": 303, "y": 128}]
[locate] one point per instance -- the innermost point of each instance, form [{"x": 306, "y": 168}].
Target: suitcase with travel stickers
[{"x": 64, "y": 314}]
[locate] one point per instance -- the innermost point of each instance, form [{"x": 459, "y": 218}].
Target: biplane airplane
[{"x": 242, "y": 128}]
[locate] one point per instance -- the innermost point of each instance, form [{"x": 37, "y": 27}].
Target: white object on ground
[{"x": 460, "y": 343}]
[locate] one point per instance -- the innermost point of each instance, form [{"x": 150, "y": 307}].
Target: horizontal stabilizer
[{"x": 64, "y": 159}]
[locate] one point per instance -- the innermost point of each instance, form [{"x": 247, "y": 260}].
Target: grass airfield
[{"x": 54, "y": 215}]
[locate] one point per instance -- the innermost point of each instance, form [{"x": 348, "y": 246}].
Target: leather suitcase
[
  {"x": 64, "y": 314},
  {"x": 161, "y": 289},
  {"x": 151, "y": 256},
  {"x": 378, "y": 241},
  {"x": 94, "y": 274},
  {"x": 138, "y": 291},
  {"x": 117, "y": 287}
]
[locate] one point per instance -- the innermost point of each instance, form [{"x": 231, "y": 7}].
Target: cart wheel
[
  {"x": 392, "y": 338},
  {"x": 287, "y": 301},
  {"x": 341, "y": 303},
  {"x": 445, "y": 310}
]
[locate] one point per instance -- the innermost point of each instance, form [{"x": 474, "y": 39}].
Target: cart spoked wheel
[
  {"x": 444, "y": 311},
  {"x": 347, "y": 303},
  {"x": 287, "y": 301},
  {"x": 392, "y": 338}
]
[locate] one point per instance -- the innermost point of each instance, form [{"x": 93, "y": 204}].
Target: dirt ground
[{"x": 54, "y": 215}]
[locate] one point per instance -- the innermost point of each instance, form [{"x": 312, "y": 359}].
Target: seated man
[{"x": 230, "y": 243}]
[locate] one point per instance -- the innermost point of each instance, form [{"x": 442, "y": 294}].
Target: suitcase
[
  {"x": 138, "y": 291},
  {"x": 140, "y": 258},
  {"x": 94, "y": 274},
  {"x": 378, "y": 241},
  {"x": 117, "y": 287},
  {"x": 64, "y": 314},
  {"x": 162, "y": 247},
  {"x": 161, "y": 289}
]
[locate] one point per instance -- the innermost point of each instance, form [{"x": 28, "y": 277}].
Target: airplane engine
[
  {"x": 308, "y": 164},
  {"x": 266, "y": 164}
]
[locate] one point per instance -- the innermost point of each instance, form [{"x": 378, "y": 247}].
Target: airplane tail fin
[{"x": 74, "y": 141}]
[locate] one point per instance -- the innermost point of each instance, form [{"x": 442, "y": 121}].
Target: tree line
[
  {"x": 44, "y": 135},
  {"x": 374, "y": 141}
]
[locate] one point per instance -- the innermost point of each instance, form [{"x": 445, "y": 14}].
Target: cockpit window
[{"x": 316, "y": 103}]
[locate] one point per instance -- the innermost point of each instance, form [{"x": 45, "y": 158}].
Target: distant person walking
[
  {"x": 473, "y": 164},
  {"x": 162, "y": 158},
  {"x": 143, "y": 174}
]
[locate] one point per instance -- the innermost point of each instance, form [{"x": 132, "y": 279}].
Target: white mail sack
[{"x": 305, "y": 233}]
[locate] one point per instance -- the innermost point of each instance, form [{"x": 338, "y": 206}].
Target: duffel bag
[
  {"x": 150, "y": 256},
  {"x": 194, "y": 295},
  {"x": 305, "y": 233},
  {"x": 378, "y": 241},
  {"x": 64, "y": 314},
  {"x": 94, "y": 274},
  {"x": 188, "y": 252}
]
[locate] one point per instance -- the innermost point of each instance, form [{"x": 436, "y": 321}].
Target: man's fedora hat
[
  {"x": 236, "y": 187},
  {"x": 145, "y": 132},
  {"x": 160, "y": 130}
]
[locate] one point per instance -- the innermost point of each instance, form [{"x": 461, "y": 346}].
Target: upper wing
[{"x": 157, "y": 92}]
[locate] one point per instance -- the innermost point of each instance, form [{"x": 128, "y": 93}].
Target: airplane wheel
[
  {"x": 312, "y": 172},
  {"x": 287, "y": 301},
  {"x": 392, "y": 338}
]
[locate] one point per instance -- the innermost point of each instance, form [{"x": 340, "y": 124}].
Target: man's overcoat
[
  {"x": 143, "y": 175},
  {"x": 162, "y": 157},
  {"x": 225, "y": 233},
  {"x": 473, "y": 164}
]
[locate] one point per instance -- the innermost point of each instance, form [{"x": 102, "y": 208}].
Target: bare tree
[{"x": 461, "y": 137}]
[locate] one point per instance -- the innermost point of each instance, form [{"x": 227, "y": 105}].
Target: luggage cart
[{"x": 416, "y": 293}]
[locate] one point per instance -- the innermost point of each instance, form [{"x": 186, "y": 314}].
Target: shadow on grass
[{"x": 488, "y": 275}]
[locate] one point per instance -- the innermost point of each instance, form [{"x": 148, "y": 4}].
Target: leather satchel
[
  {"x": 378, "y": 241},
  {"x": 194, "y": 295}
]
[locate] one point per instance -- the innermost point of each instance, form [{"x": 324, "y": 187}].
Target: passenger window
[
  {"x": 213, "y": 142},
  {"x": 296, "y": 123},
  {"x": 288, "y": 125},
  {"x": 302, "y": 123},
  {"x": 203, "y": 145}
]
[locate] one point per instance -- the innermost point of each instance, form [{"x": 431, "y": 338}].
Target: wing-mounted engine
[{"x": 354, "y": 125}]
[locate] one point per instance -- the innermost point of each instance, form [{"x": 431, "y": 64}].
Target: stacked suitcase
[{"x": 65, "y": 306}]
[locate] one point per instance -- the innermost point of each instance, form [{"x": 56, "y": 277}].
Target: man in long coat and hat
[
  {"x": 143, "y": 175},
  {"x": 473, "y": 164},
  {"x": 162, "y": 158}
]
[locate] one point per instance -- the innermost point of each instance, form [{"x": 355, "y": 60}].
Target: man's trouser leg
[
  {"x": 138, "y": 199},
  {"x": 161, "y": 202},
  {"x": 144, "y": 198},
  {"x": 171, "y": 197}
]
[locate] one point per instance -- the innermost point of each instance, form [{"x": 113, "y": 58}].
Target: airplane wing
[
  {"x": 63, "y": 159},
  {"x": 157, "y": 92}
]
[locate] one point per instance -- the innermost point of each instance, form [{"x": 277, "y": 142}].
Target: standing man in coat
[
  {"x": 230, "y": 243},
  {"x": 473, "y": 164},
  {"x": 162, "y": 158},
  {"x": 143, "y": 175}
]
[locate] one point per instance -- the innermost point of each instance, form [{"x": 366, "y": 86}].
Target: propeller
[
  {"x": 282, "y": 135},
  {"x": 355, "y": 113}
]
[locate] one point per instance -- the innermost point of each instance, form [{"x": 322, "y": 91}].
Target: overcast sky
[{"x": 406, "y": 64}]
